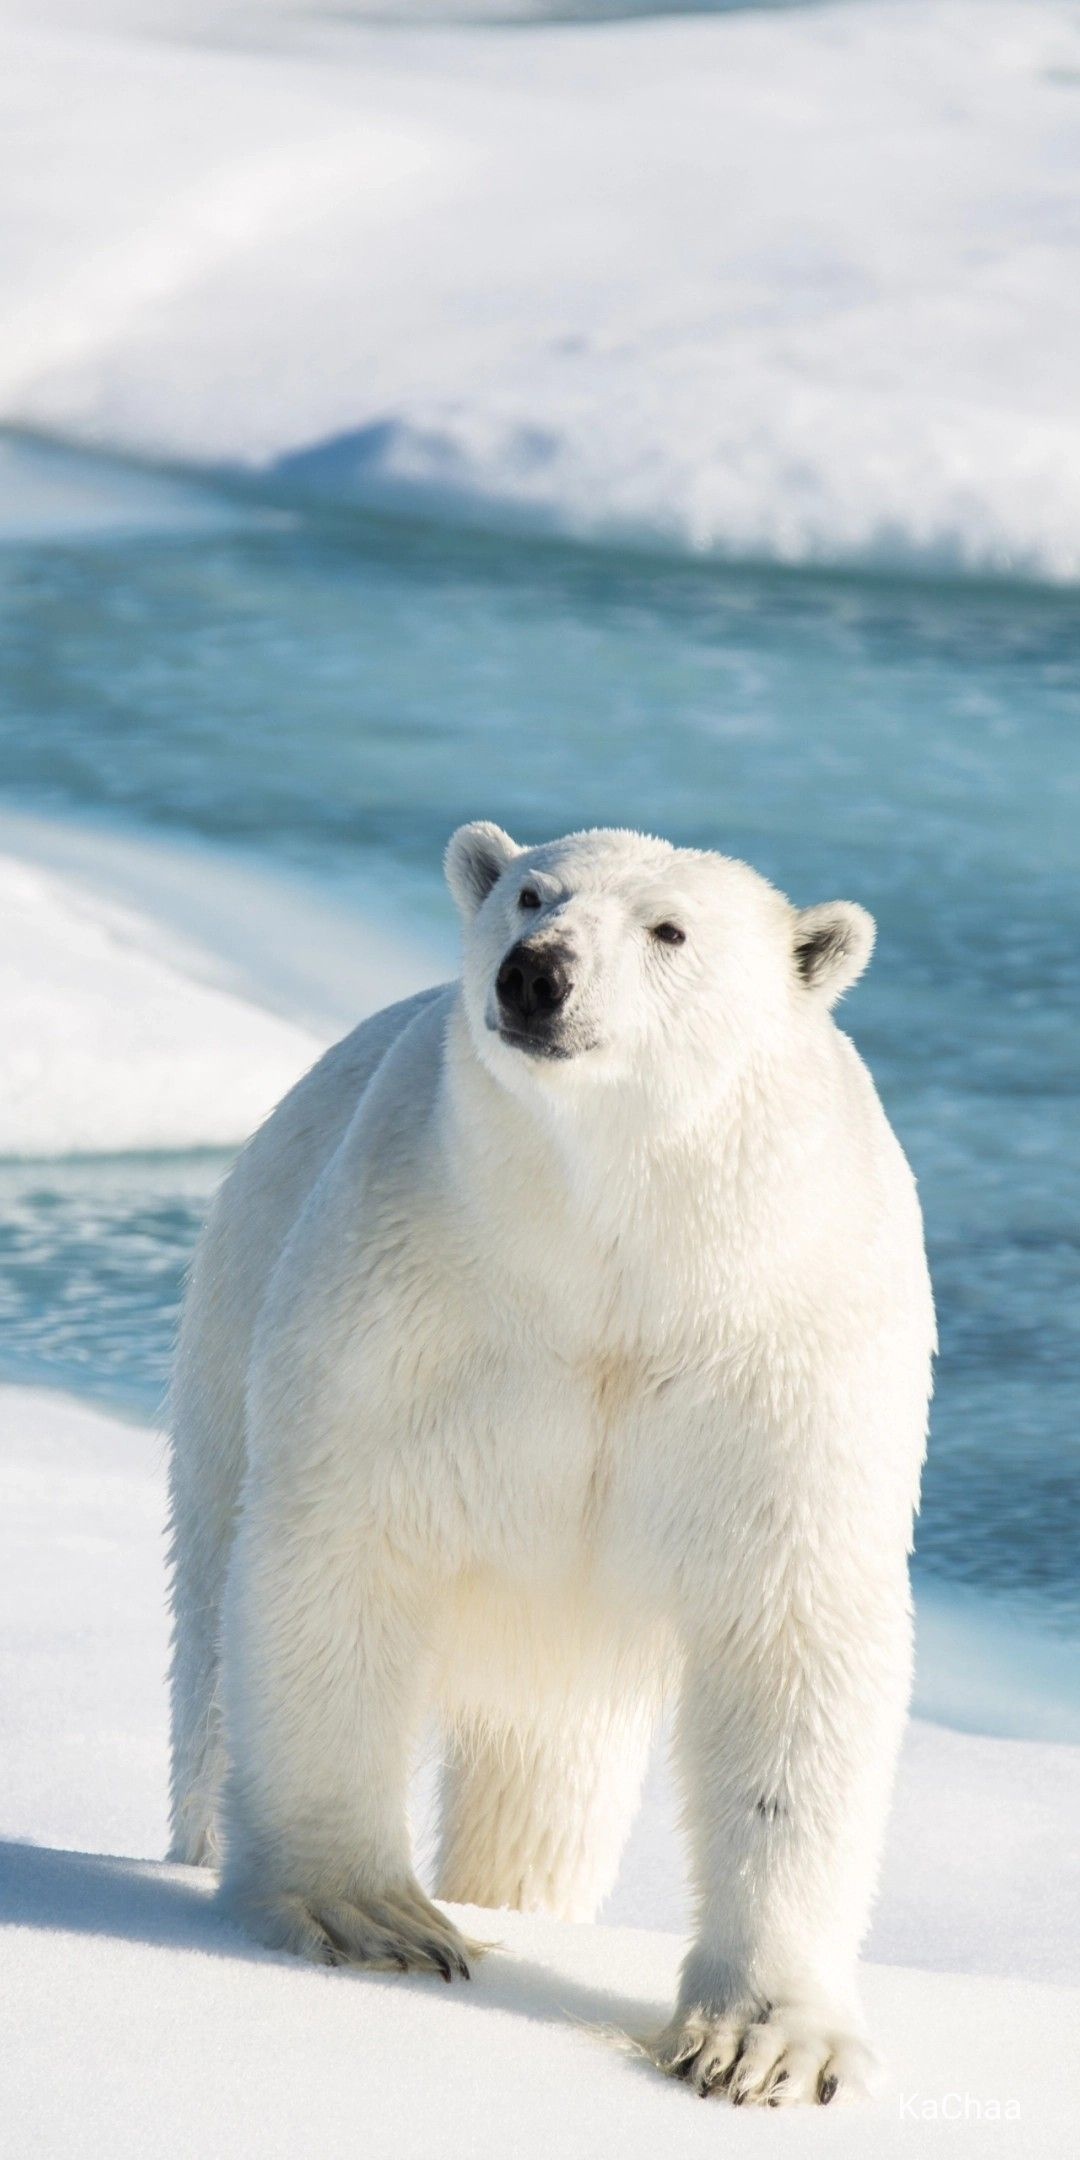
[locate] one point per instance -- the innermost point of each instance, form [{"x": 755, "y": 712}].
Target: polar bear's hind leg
[
  {"x": 203, "y": 1512},
  {"x": 536, "y": 1810}
]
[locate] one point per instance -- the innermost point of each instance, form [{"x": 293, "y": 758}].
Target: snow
[
  {"x": 322, "y": 955},
  {"x": 144, "y": 2022},
  {"x": 989, "y": 1669},
  {"x": 108, "y": 1045},
  {"x": 146, "y": 2025},
  {"x": 158, "y": 996},
  {"x": 793, "y": 284}
]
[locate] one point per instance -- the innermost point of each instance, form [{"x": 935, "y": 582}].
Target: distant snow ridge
[{"x": 795, "y": 285}]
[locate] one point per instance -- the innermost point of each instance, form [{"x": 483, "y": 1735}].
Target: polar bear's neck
[{"x": 644, "y": 1191}]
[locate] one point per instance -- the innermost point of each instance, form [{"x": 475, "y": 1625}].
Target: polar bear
[{"x": 563, "y": 1340}]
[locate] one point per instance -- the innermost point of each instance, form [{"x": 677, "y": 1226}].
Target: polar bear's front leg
[
  {"x": 787, "y": 1747},
  {"x": 324, "y": 1652}
]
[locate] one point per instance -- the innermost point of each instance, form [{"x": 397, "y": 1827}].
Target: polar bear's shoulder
[
  {"x": 275, "y": 1172},
  {"x": 329, "y": 1094}
]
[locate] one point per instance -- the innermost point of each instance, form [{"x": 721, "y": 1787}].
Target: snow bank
[
  {"x": 321, "y": 955},
  {"x": 801, "y": 285},
  {"x": 109, "y": 1044},
  {"x": 159, "y": 996},
  {"x": 986, "y": 1669}
]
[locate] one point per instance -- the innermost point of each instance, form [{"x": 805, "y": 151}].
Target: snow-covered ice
[
  {"x": 109, "y": 1044},
  {"x": 794, "y": 284},
  {"x": 163, "y": 996},
  {"x": 148, "y": 2026},
  {"x": 146, "y": 2023}
]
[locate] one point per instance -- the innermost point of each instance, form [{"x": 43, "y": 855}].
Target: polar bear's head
[{"x": 612, "y": 955}]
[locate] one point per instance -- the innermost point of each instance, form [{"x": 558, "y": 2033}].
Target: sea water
[{"x": 320, "y": 700}]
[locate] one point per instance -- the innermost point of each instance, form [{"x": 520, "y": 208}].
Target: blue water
[{"x": 334, "y": 696}]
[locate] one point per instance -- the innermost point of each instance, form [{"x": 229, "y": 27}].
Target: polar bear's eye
[
  {"x": 669, "y": 933},
  {"x": 528, "y": 896}
]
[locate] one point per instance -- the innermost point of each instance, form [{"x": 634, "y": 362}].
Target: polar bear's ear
[
  {"x": 833, "y": 943},
  {"x": 476, "y": 856}
]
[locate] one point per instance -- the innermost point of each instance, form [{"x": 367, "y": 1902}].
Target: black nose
[{"x": 533, "y": 981}]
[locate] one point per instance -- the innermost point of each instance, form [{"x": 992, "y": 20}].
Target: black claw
[
  {"x": 439, "y": 1958},
  {"x": 717, "y": 2083},
  {"x": 461, "y": 1968},
  {"x": 337, "y": 1953},
  {"x": 827, "y": 2089}
]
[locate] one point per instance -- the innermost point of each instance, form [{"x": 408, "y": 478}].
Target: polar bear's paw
[
  {"x": 773, "y": 2058},
  {"x": 399, "y": 1931}
]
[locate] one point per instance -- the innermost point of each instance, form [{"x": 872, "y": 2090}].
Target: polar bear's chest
[
  {"x": 515, "y": 1409},
  {"x": 543, "y": 1449}
]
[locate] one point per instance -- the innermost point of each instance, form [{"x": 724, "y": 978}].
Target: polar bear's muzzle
[{"x": 532, "y": 990}]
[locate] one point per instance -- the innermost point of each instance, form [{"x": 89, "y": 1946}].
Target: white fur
[{"x": 530, "y": 1388}]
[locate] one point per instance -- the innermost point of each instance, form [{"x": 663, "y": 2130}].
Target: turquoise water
[{"x": 333, "y": 697}]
